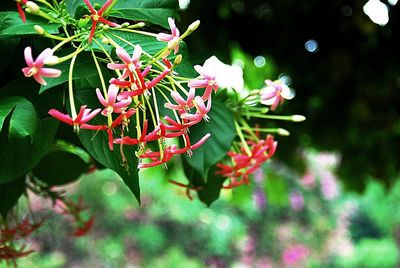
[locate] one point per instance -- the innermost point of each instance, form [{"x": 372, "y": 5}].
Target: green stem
[
  {"x": 103, "y": 84},
  {"x": 69, "y": 39},
  {"x": 240, "y": 134},
  {"x": 72, "y": 55},
  {"x": 70, "y": 87}
]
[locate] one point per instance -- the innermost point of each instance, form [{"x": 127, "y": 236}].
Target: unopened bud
[
  {"x": 105, "y": 40},
  {"x": 178, "y": 59},
  {"x": 52, "y": 60},
  {"x": 298, "y": 118},
  {"x": 254, "y": 92},
  {"x": 283, "y": 132},
  {"x": 125, "y": 24},
  {"x": 31, "y": 7},
  {"x": 192, "y": 27},
  {"x": 137, "y": 25},
  {"x": 105, "y": 26},
  {"x": 39, "y": 30}
]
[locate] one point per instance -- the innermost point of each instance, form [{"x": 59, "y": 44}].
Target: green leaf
[
  {"x": 209, "y": 187},
  {"x": 276, "y": 190},
  {"x": 10, "y": 193},
  {"x": 13, "y": 26},
  {"x": 157, "y": 16},
  {"x": 153, "y": 11},
  {"x": 23, "y": 122},
  {"x": 84, "y": 68},
  {"x": 222, "y": 130},
  {"x": 60, "y": 167},
  {"x": 18, "y": 155},
  {"x": 96, "y": 143}
]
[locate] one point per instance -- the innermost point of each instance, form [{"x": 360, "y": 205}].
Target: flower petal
[{"x": 28, "y": 56}]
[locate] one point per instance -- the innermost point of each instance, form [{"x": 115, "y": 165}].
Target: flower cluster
[
  {"x": 69, "y": 207},
  {"x": 246, "y": 161},
  {"x": 11, "y": 234},
  {"x": 147, "y": 106}
]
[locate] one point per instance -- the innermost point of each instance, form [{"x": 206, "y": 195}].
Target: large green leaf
[
  {"x": 23, "y": 120},
  {"x": 13, "y": 26},
  {"x": 96, "y": 143},
  {"x": 60, "y": 167},
  {"x": 153, "y": 11},
  {"x": 209, "y": 187},
  {"x": 222, "y": 130},
  {"x": 10, "y": 193},
  {"x": 19, "y": 155}
]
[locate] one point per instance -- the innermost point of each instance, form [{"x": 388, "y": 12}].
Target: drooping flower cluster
[
  {"x": 247, "y": 161},
  {"x": 11, "y": 234},
  {"x": 69, "y": 208}
]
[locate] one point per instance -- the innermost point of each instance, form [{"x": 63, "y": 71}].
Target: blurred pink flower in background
[
  {"x": 296, "y": 201},
  {"x": 329, "y": 187},
  {"x": 294, "y": 255},
  {"x": 308, "y": 180}
]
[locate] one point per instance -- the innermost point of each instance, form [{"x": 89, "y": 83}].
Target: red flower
[
  {"x": 80, "y": 120},
  {"x": 244, "y": 164},
  {"x": 96, "y": 16},
  {"x": 82, "y": 230},
  {"x": 20, "y": 4}
]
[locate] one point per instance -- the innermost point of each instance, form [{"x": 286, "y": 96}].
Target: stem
[
  {"x": 240, "y": 134},
  {"x": 107, "y": 55},
  {"x": 103, "y": 84},
  {"x": 134, "y": 31},
  {"x": 275, "y": 117},
  {"x": 74, "y": 54},
  {"x": 70, "y": 87},
  {"x": 69, "y": 39}
]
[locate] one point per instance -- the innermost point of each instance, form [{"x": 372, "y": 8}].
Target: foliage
[{"x": 134, "y": 101}]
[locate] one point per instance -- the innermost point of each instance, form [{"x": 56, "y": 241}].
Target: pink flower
[
  {"x": 295, "y": 254},
  {"x": 275, "y": 93},
  {"x": 173, "y": 38},
  {"x": 130, "y": 63},
  {"x": 35, "y": 68},
  {"x": 110, "y": 102},
  {"x": 182, "y": 104},
  {"x": 96, "y": 16},
  {"x": 296, "y": 201},
  {"x": 201, "y": 113},
  {"x": 207, "y": 73},
  {"x": 80, "y": 120}
]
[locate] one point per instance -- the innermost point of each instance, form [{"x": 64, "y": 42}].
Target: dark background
[{"x": 349, "y": 89}]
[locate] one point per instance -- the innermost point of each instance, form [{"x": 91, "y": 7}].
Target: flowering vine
[{"x": 133, "y": 104}]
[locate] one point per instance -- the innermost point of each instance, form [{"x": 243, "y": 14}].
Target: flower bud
[
  {"x": 52, "y": 60},
  {"x": 192, "y": 27},
  {"x": 105, "y": 40},
  {"x": 283, "y": 132},
  {"x": 39, "y": 30},
  {"x": 125, "y": 24},
  {"x": 32, "y": 7},
  {"x": 137, "y": 25},
  {"x": 254, "y": 92},
  {"x": 298, "y": 118},
  {"x": 178, "y": 59}
]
